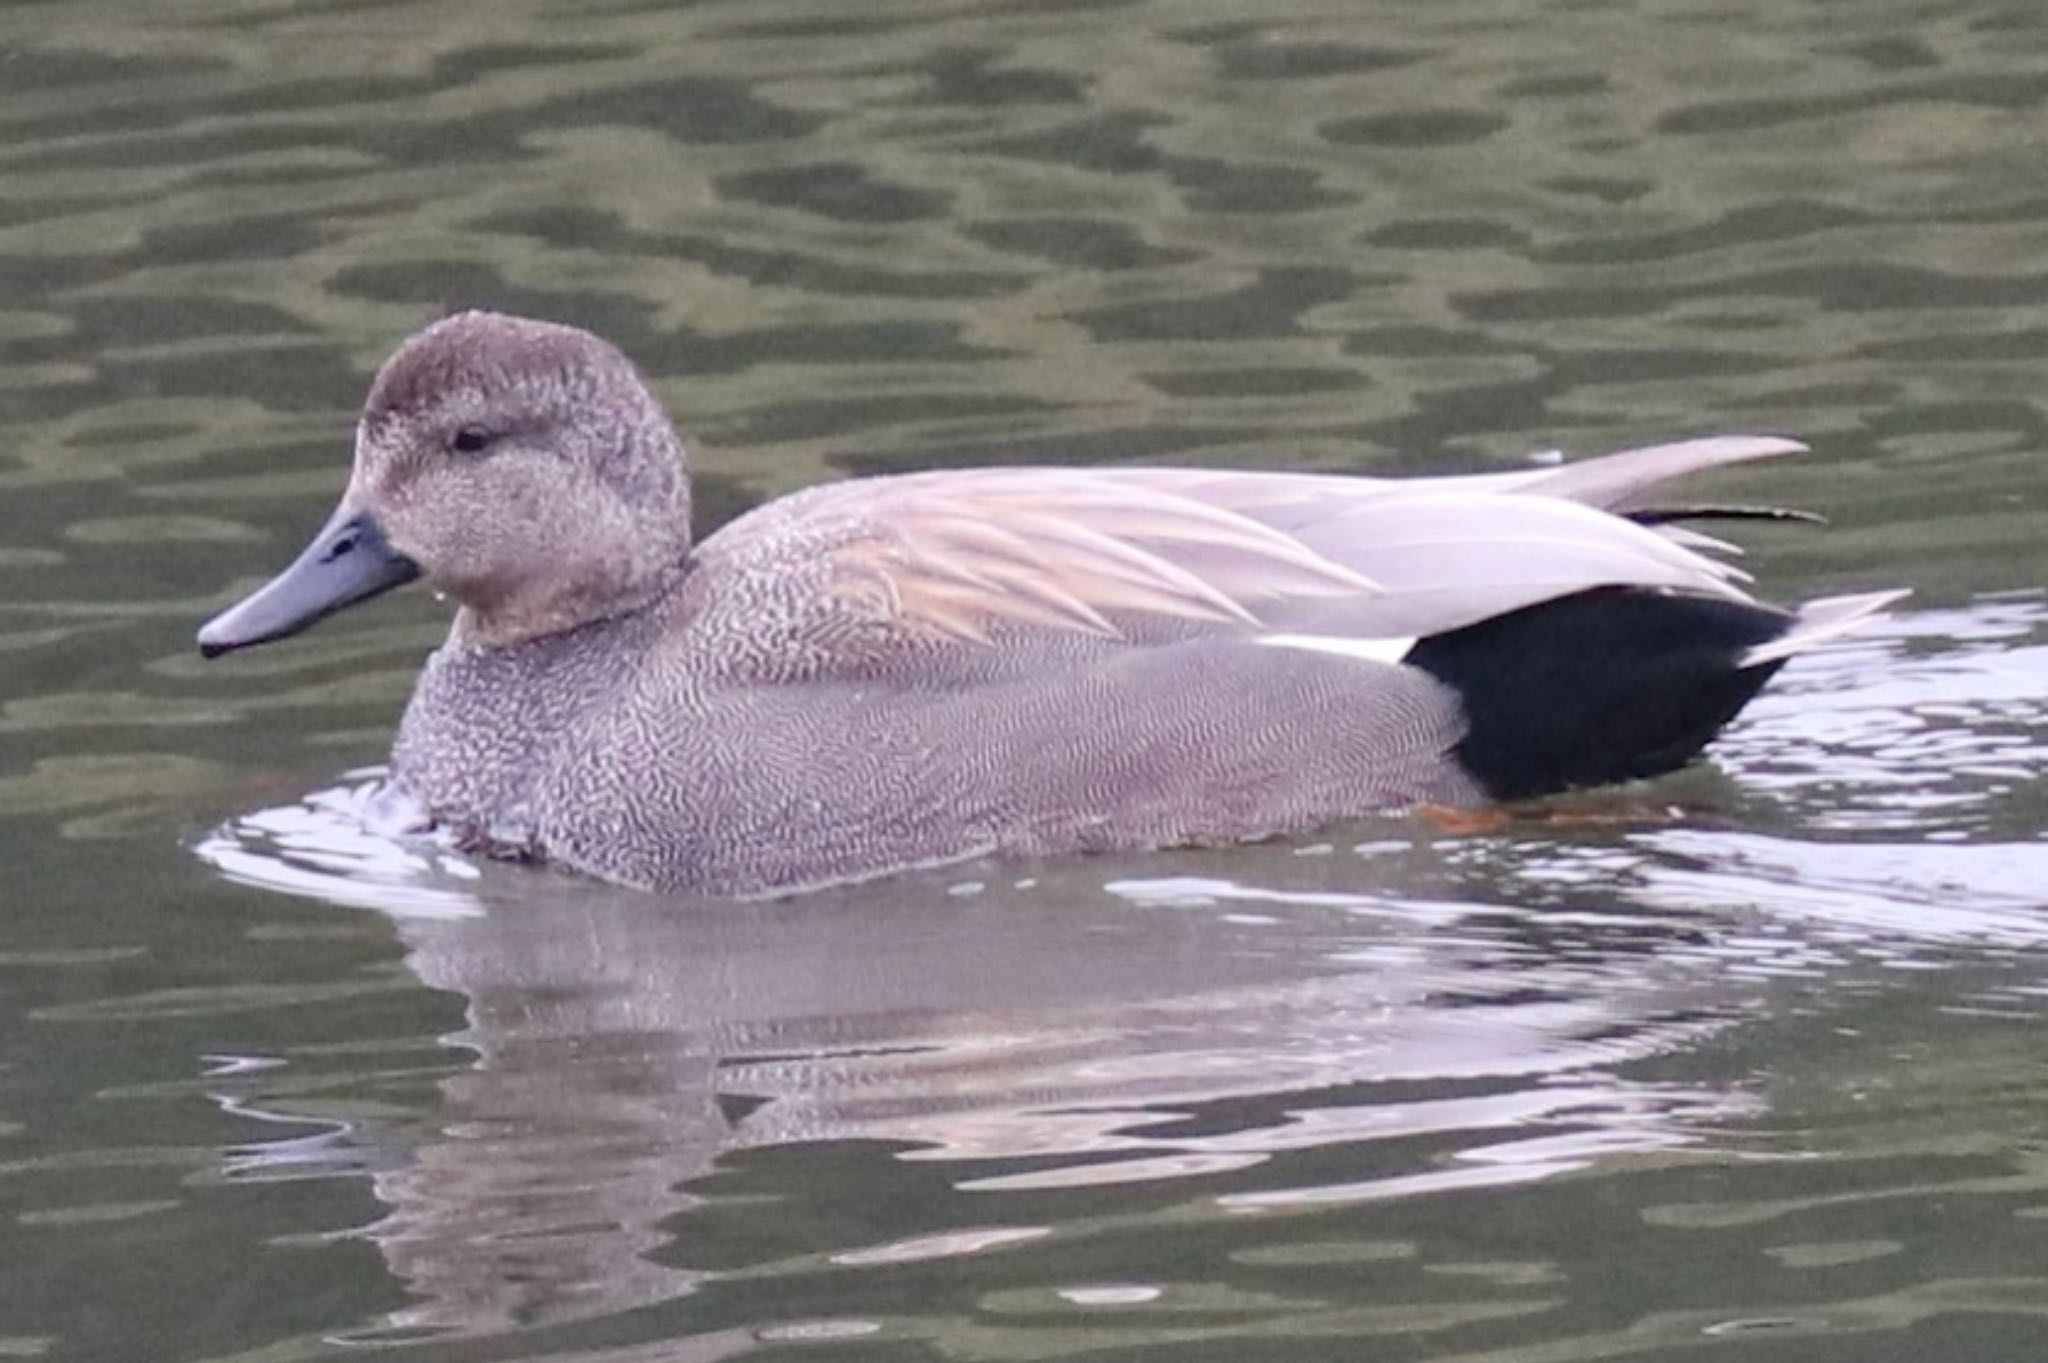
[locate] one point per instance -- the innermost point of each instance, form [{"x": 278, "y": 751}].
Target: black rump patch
[{"x": 1607, "y": 685}]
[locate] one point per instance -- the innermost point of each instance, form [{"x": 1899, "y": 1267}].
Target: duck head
[{"x": 523, "y": 469}]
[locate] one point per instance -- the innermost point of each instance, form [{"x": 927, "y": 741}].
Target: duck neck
[{"x": 572, "y": 606}]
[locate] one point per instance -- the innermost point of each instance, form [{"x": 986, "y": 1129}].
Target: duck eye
[{"x": 471, "y": 440}]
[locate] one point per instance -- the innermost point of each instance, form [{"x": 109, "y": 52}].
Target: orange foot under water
[{"x": 1603, "y": 810}]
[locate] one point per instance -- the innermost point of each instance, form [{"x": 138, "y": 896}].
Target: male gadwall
[{"x": 904, "y": 671}]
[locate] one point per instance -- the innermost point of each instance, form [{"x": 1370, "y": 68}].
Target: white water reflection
[
  {"x": 1479, "y": 1016},
  {"x": 346, "y": 846},
  {"x": 1927, "y": 726}
]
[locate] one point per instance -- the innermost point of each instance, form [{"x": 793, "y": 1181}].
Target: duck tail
[
  {"x": 1613, "y": 684},
  {"x": 1816, "y": 622},
  {"x": 1617, "y": 683}
]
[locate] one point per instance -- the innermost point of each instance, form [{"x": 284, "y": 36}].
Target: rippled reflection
[{"x": 1029, "y": 1038}]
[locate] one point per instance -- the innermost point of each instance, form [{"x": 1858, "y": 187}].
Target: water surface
[{"x": 1745, "y": 1063}]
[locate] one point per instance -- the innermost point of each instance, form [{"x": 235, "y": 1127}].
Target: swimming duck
[{"x": 891, "y": 672}]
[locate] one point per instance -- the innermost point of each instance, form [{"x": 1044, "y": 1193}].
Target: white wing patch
[{"x": 1388, "y": 651}]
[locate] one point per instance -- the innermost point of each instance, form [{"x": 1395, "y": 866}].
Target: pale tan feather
[{"x": 964, "y": 554}]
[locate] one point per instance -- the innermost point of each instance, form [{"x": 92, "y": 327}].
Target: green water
[{"x": 1745, "y": 1065}]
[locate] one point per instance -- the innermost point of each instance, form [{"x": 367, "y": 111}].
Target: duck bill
[{"x": 348, "y": 561}]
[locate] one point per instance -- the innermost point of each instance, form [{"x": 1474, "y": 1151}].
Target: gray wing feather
[
  {"x": 1133, "y": 557},
  {"x": 1293, "y": 501},
  {"x": 1614, "y": 482},
  {"x": 1444, "y": 560}
]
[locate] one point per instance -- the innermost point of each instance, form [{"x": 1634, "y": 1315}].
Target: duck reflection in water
[{"x": 1017, "y": 1038}]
